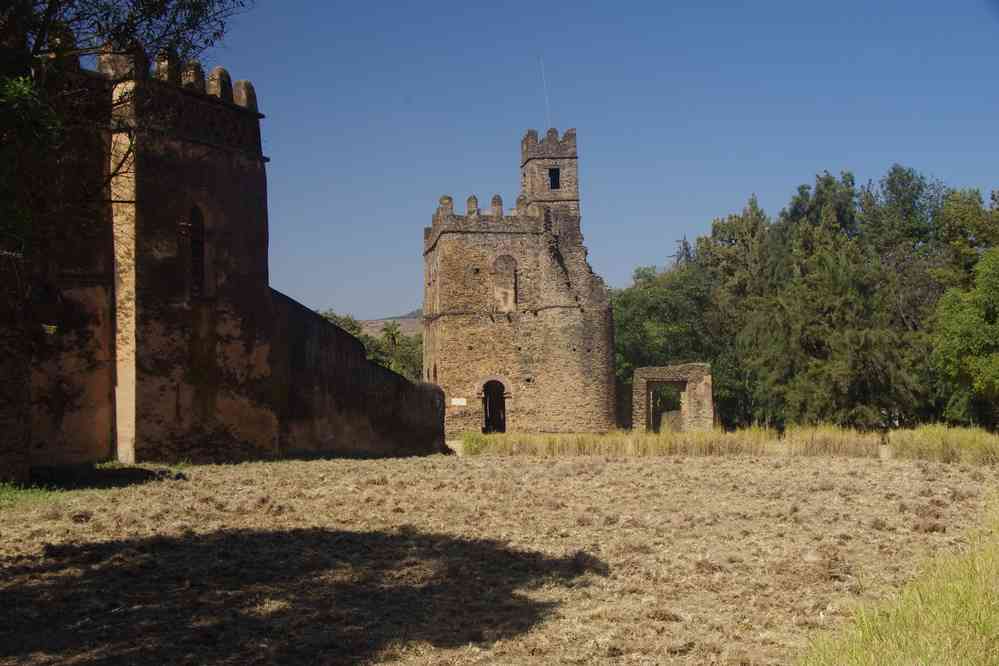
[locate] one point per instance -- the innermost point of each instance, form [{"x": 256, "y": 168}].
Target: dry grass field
[{"x": 475, "y": 560}]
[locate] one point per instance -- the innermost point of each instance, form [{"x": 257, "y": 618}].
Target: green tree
[
  {"x": 964, "y": 229},
  {"x": 346, "y": 322},
  {"x": 392, "y": 349},
  {"x": 47, "y": 116},
  {"x": 823, "y": 347},
  {"x": 734, "y": 260},
  {"x": 821, "y": 340},
  {"x": 825, "y": 314},
  {"x": 966, "y": 345},
  {"x": 658, "y": 320},
  {"x": 28, "y": 126}
]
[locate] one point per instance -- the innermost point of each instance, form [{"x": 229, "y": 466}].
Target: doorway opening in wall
[
  {"x": 494, "y": 407},
  {"x": 663, "y": 406}
]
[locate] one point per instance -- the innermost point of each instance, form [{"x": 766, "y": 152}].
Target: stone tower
[
  {"x": 190, "y": 228},
  {"x": 517, "y": 327}
]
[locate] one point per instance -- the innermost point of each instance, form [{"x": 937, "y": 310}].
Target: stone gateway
[
  {"x": 697, "y": 411},
  {"x": 517, "y": 328}
]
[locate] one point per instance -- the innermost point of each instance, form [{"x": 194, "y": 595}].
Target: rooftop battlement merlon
[
  {"x": 526, "y": 218},
  {"x": 445, "y": 209},
  {"x": 178, "y": 101},
  {"x": 551, "y": 147},
  {"x": 523, "y": 219},
  {"x": 189, "y": 76}
]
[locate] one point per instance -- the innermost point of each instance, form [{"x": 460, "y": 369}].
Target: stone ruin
[
  {"x": 164, "y": 341},
  {"x": 697, "y": 410}
]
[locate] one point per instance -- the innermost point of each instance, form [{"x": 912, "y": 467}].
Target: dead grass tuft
[
  {"x": 936, "y": 443},
  {"x": 947, "y": 444},
  {"x": 508, "y": 559}
]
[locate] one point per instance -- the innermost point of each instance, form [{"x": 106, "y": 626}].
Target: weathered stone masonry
[
  {"x": 696, "y": 403},
  {"x": 177, "y": 348},
  {"x": 515, "y": 320}
]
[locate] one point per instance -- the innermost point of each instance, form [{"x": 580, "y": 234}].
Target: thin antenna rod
[{"x": 544, "y": 86}]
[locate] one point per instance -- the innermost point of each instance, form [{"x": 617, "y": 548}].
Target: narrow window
[
  {"x": 197, "y": 253},
  {"x": 554, "y": 178}
]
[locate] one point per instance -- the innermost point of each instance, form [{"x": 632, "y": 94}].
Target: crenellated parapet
[
  {"x": 177, "y": 99},
  {"x": 522, "y": 220},
  {"x": 550, "y": 147},
  {"x": 495, "y": 213},
  {"x": 525, "y": 218}
]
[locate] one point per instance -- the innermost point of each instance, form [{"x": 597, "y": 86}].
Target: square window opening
[{"x": 554, "y": 178}]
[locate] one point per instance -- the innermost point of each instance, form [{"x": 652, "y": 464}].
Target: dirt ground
[{"x": 449, "y": 560}]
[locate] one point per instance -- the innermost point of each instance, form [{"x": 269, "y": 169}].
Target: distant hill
[{"x": 410, "y": 323}]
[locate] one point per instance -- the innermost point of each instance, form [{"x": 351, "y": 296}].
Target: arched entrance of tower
[{"x": 494, "y": 407}]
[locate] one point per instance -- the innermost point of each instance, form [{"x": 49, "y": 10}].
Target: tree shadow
[
  {"x": 247, "y": 597},
  {"x": 76, "y": 477}
]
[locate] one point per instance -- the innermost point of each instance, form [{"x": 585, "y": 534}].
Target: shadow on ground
[
  {"x": 75, "y": 477},
  {"x": 251, "y": 597}
]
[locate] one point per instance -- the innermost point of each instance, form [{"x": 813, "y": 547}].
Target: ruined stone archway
[{"x": 696, "y": 411}]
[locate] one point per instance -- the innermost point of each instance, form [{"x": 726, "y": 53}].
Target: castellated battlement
[
  {"x": 524, "y": 218},
  {"x": 179, "y": 100},
  {"x": 445, "y": 209},
  {"x": 551, "y": 147},
  {"x": 190, "y": 75},
  {"x": 132, "y": 65}
]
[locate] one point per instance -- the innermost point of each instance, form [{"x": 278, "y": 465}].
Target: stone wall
[
  {"x": 162, "y": 339},
  {"x": 696, "y": 402},
  {"x": 15, "y": 374},
  {"x": 193, "y": 307},
  {"x": 545, "y": 332},
  {"x": 330, "y": 399},
  {"x": 71, "y": 275}
]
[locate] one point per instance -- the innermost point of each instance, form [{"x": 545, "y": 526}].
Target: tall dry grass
[
  {"x": 946, "y": 444},
  {"x": 948, "y": 615},
  {"x": 620, "y": 443},
  {"x": 829, "y": 440},
  {"x": 932, "y": 442}
]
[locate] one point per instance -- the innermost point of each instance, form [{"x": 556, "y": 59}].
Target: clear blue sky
[{"x": 683, "y": 110}]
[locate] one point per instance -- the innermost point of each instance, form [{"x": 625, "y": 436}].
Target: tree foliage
[
  {"x": 966, "y": 345},
  {"x": 47, "y": 123},
  {"x": 828, "y": 312},
  {"x": 392, "y": 349}
]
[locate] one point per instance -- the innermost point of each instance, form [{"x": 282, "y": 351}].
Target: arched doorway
[{"x": 494, "y": 407}]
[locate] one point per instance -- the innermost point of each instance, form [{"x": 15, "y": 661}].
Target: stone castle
[
  {"x": 517, "y": 328},
  {"x": 154, "y": 333}
]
